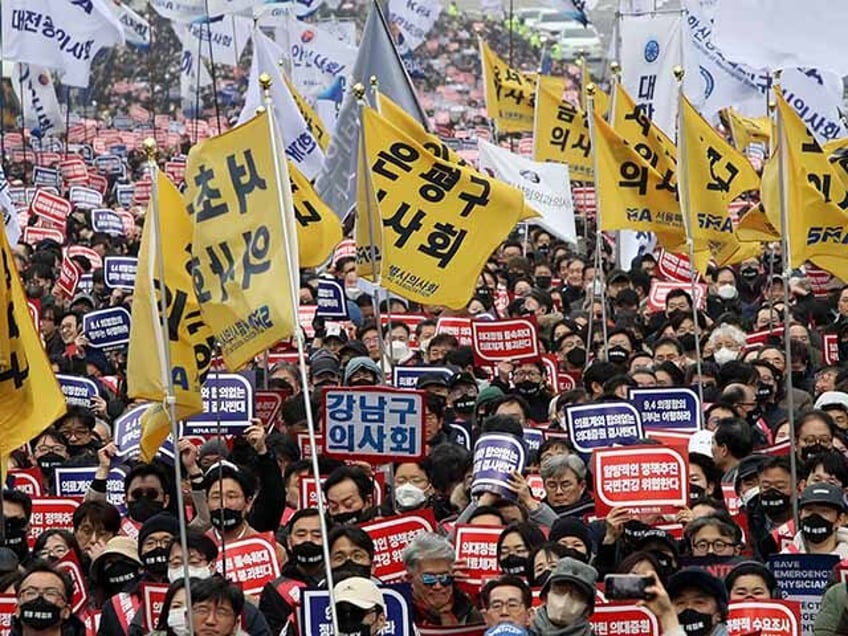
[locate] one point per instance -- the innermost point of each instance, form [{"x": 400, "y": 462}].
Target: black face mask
[
  {"x": 156, "y": 561},
  {"x": 143, "y": 508},
  {"x": 575, "y": 554},
  {"x": 539, "y": 581},
  {"x": 362, "y": 382},
  {"x": 576, "y": 357},
  {"x": 774, "y": 502},
  {"x": 348, "y": 517},
  {"x": 117, "y": 575},
  {"x": 226, "y": 519},
  {"x": 485, "y": 295},
  {"x": 696, "y": 492},
  {"x": 465, "y": 405},
  {"x": 349, "y": 569},
  {"x": 764, "y": 392},
  {"x": 666, "y": 564},
  {"x": 514, "y": 564},
  {"x": 749, "y": 273},
  {"x": 813, "y": 451},
  {"x": 543, "y": 282},
  {"x": 528, "y": 388},
  {"x": 687, "y": 341},
  {"x": 816, "y": 529},
  {"x": 617, "y": 355},
  {"x": 754, "y": 416},
  {"x": 695, "y": 623},
  {"x": 308, "y": 554},
  {"x": 799, "y": 378},
  {"x": 40, "y": 614},
  {"x": 351, "y": 619},
  {"x": 16, "y": 536},
  {"x": 49, "y": 462}
]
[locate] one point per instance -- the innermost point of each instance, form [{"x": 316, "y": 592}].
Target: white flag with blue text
[
  {"x": 318, "y": 57},
  {"x": 136, "y": 28},
  {"x": 414, "y": 19},
  {"x": 36, "y": 94},
  {"x": 9, "y": 212},
  {"x": 221, "y": 41},
  {"x": 60, "y": 35}
]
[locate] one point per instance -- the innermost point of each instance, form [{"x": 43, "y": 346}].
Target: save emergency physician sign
[
  {"x": 647, "y": 479},
  {"x": 374, "y": 424}
]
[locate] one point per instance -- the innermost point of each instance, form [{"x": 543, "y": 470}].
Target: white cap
[
  {"x": 361, "y": 592},
  {"x": 832, "y": 398},
  {"x": 701, "y": 443}
]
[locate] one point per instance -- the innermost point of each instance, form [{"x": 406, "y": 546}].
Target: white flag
[
  {"x": 632, "y": 244},
  {"x": 300, "y": 145},
  {"x": 414, "y": 19},
  {"x": 40, "y": 106},
  {"x": 64, "y": 36},
  {"x": 9, "y": 212},
  {"x": 273, "y": 14},
  {"x": 650, "y": 46},
  {"x": 136, "y": 28},
  {"x": 318, "y": 58},
  {"x": 228, "y": 37},
  {"x": 777, "y": 34},
  {"x": 193, "y": 78},
  {"x": 546, "y": 186}
]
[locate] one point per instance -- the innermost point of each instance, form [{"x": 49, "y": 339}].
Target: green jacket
[{"x": 832, "y": 619}]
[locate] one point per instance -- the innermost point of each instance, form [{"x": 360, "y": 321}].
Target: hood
[
  {"x": 841, "y": 543},
  {"x": 542, "y": 626}
]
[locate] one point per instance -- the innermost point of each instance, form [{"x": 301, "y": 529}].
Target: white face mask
[
  {"x": 724, "y": 355},
  {"x": 398, "y": 350},
  {"x": 727, "y": 292},
  {"x": 194, "y": 572},
  {"x": 409, "y": 496},
  {"x": 177, "y": 621},
  {"x": 565, "y": 609}
]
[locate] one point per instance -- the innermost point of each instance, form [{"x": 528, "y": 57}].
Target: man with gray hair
[
  {"x": 429, "y": 560},
  {"x": 564, "y": 478}
]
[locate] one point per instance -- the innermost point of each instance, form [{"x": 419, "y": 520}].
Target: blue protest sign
[
  {"x": 74, "y": 482},
  {"x": 668, "y": 408},
  {"x": 602, "y": 425},
  {"x": 533, "y": 439},
  {"x": 78, "y": 391},
  {"x": 42, "y": 176},
  {"x": 109, "y": 164},
  {"x": 332, "y": 301},
  {"x": 127, "y": 435},
  {"x": 804, "y": 578},
  {"x": 228, "y": 401},
  {"x": 463, "y": 435},
  {"x": 108, "y": 328},
  {"x": 119, "y": 271},
  {"x": 496, "y": 456},
  {"x": 85, "y": 284},
  {"x": 124, "y": 195},
  {"x": 119, "y": 149},
  {"x": 106, "y": 221},
  {"x": 407, "y": 377},
  {"x": 373, "y": 423},
  {"x": 315, "y": 611}
]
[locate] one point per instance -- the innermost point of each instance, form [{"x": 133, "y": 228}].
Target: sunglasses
[
  {"x": 442, "y": 579},
  {"x": 150, "y": 493}
]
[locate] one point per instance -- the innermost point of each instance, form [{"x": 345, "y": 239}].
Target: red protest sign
[
  {"x": 305, "y": 446},
  {"x": 141, "y": 193},
  {"x": 33, "y": 235},
  {"x": 8, "y": 605},
  {"x": 71, "y": 566},
  {"x": 673, "y": 267},
  {"x": 391, "y": 535},
  {"x": 51, "y": 207},
  {"x": 176, "y": 170},
  {"x": 830, "y": 348},
  {"x": 28, "y": 480},
  {"x": 761, "y": 337},
  {"x": 34, "y": 311},
  {"x": 98, "y": 182},
  {"x": 69, "y": 277},
  {"x": 550, "y": 362},
  {"x": 649, "y": 479},
  {"x": 267, "y": 405},
  {"x": 73, "y": 169},
  {"x": 308, "y": 492},
  {"x": 568, "y": 380},
  {"x": 477, "y": 546},
  {"x": 51, "y": 512},
  {"x": 92, "y": 256},
  {"x": 458, "y": 327},
  {"x": 251, "y": 561},
  {"x": 659, "y": 292},
  {"x": 345, "y": 249},
  {"x": 153, "y": 600},
  {"x": 624, "y": 618},
  {"x": 305, "y": 316},
  {"x": 498, "y": 340},
  {"x": 819, "y": 280},
  {"x": 769, "y": 618},
  {"x": 731, "y": 499}
]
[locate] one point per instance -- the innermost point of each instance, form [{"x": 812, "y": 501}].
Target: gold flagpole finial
[
  {"x": 265, "y": 82},
  {"x": 615, "y": 68},
  {"x": 678, "y": 72},
  {"x": 150, "y": 149},
  {"x": 590, "y": 89},
  {"x": 359, "y": 90}
]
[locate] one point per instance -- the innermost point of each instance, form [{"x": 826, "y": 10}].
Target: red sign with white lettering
[
  {"x": 51, "y": 512},
  {"x": 477, "y": 547},
  {"x": 52, "y": 208},
  {"x": 391, "y": 535},
  {"x": 251, "y": 561},
  {"x": 769, "y": 618},
  {"x": 499, "y": 340}
]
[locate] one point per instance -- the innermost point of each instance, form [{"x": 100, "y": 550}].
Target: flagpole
[
  {"x": 787, "y": 314},
  {"x": 615, "y": 78},
  {"x": 599, "y": 260},
  {"x": 23, "y": 116},
  {"x": 160, "y": 323},
  {"x": 290, "y": 239},
  {"x": 212, "y": 65},
  {"x": 685, "y": 210}
]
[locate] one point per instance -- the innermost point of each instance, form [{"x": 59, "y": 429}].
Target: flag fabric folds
[
  {"x": 238, "y": 247},
  {"x": 510, "y": 94},
  {"x": 561, "y": 131},
  {"x": 745, "y": 130},
  {"x": 318, "y": 229}
]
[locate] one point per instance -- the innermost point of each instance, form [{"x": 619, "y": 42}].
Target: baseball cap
[
  {"x": 832, "y": 398},
  {"x": 699, "y": 579},
  {"x": 360, "y": 592},
  {"x": 574, "y": 571},
  {"x": 618, "y": 275},
  {"x": 431, "y": 379},
  {"x": 463, "y": 377},
  {"x": 324, "y": 364},
  {"x": 823, "y": 493}
]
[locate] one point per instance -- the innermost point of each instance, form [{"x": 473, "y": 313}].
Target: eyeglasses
[
  {"x": 75, "y": 432},
  {"x": 203, "y": 610},
  {"x": 151, "y": 544},
  {"x": 811, "y": 441},
  {"x": 718, "y": 546},
  {"x": 527, "y": 375},
  {"x": 141, "y": 493},
  {"x": 553, "y": 486},
  {"x": 512, "y": 605},
  {"x": 430, "y": 580},
  {"x": 52, "y": 594},
  {"x": 55, "y": 448},
  {"x": 421, "y": 482},
  {"x": 58, "y": 552}
]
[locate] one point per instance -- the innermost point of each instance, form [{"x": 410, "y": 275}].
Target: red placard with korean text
[
  {"x": 153, "y": 600},
  {"x": 8, "y": 605},
  {"x": 28, "y": 480},
  {"x": 648, "y": 479},
  {"x": 673, "y": 267},
  {"x": 33, "y": 235},
  {"x": 457, "y": 326},
  {"x": 391, "y": 535},
  {"x": 768, "y": 618},
  {"x": 830, "y": 348},
  {"x": 71, "y": 566},
  {"x": 51, "y": 512},
  {"x": 477, "y": 546},
  {"x": 252, "y": 561},
  {"x": 498, "y": 340},
  {"x": 51, "y": 207},
  {"x": 624, "y": 618},
  {"x": 267, "y": 405},
  {"x": 660, "y": 290},
  {"x": 69, "y": 277}
]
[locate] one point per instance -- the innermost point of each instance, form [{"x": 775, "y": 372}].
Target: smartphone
[{"x": 625, "y": 587}]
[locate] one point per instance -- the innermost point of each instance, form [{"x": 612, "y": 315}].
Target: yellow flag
[
  {"x": 313, "y": 121},
  {"x": 714, "y": 174},
  {"x": 816, "y": 198},
  {"x": 510, "y": 94},
  {"x": 632, "y": 194},
  {"x": 562, "y": 131},
  {"x": 755, "y": 227},
  {"x": 652, "y": 144},
  {"x": 30, "y": 397},
  {"x": 240, "y": 270},
  {"x": 441, "y": 221},
  {"x": 190, "y": 343},
  {"x": 411, "y": 127},
  {"x": 745, "y": 130},
  {"x": 319, "y": 230},
  {"x": 368, "y": 228}
]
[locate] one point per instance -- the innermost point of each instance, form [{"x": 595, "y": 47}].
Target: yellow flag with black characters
[
  {"x": 510, "y": 94},
  {"x": 240, "y": 270},
  {"x": 561, "y": 131},
  {"x": 441, "y": 221},
  {"x": 319, "y": 230},
  {"x": 410, "y": 126},
  {"x": 745, "y": 130},
  {"x": 313, "y": 121}
]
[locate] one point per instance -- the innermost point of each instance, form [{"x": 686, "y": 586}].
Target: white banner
[
  {"x": 228, "y": 36},
  {"x": 650, "y": 49},
  {"x": 318, "y": 58},
  {"x": 300, "y": 145},
  {"x": 274, "y": 14},
  {"x": 40, "y": 106},
  {"x": 64, "y": 36},
  {"x": 193, "y": 78},
  {"x": 180, "y": 10},
  {"x": 136, "y": 28},
  {"x": 344, "y": 30},
  {"x": 546, "y": 186},
  {"x": 10, "y": 214},
  {"x": 777, "y": 34},
  {"x": 414, "y": 19},
  {"x": 632, "y": 244}
]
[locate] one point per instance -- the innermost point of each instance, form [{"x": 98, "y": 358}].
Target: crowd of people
[{"x": 749, "y": 497}]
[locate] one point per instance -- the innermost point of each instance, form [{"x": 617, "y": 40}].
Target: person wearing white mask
[
  {"x": 568, "y": 598},
  {"x": 725, "y": 343},
  {"x": 412, "y": 487}
]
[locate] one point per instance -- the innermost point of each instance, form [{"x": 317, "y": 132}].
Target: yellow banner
[
  {"x": 631, "y": 194},
  {"x": 240, "y": 271},
  {"x": 755, "y": 227},
  {"x": 441, "y": 221},
  {"x": 30, "y": 397},
  {"x": 319, "y": 230},
  {"x": 714, "y": 174},
  {"x": 191, "y": 343},
  {"x": 313, "y": 121},
  {"x": 411, "y": 127},
  {"x": 368, "y": 228},
  {"x": 745, "y": 130},
  {"x": 562, "y": 131},
  {"x": 510, "y": 94}
]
